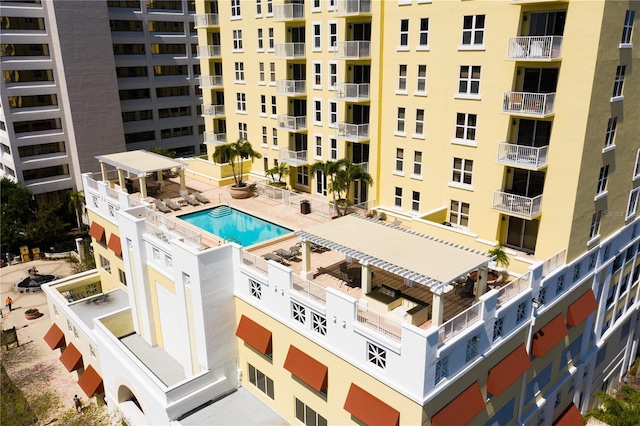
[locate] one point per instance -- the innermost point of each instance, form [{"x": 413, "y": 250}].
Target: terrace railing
[
  {"x": 459, "y": 323},
  {"x": 289, "y": 50},
  {"x": 554, "y": 262},
  {"x": 512, "y": 289},
  {"x": 517, "y": 204},
  {"x": 206, "y": 20},
  {"x": 289, "y": 122},
  {"x": 166, "y": 228},
  {"x": 353, "y": 50},
  {"x": 352, "y": 7},
  {"x": 293, "y": 158},
  {"x": 210, "y": 81},
  {"x": 255, "y": 262},
  {"x": 291, "y": 87},
  {"x": 382, "y": 324},
  {"x": 352, "y": 132},
  {"x": 212, "y": 110},
  {"x": 522, "y": 156},
  {"x": 210, "y": 51},
  {"x": 213, "y": 138},
  {"x": 293, "y": 199},
  {"x": 309, "y": 289},
  {"x": 526, "y": 103},
  {"x": 288, "y": 12},
  {"x": 352, "y": 91},
  {"x": 535, "y": 47}
]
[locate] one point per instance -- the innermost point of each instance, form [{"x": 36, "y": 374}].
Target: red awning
[
  {"x": 71, "y": 358},
  {"x": 462, "y": 409},
  {"x": 548, "y": 336},
  {"x": 580, "y": 309},
  {"x": 97, "y": 232},
  {"x": 90, "y": 382},
  {"x": 369, "y": 409},
  {"x": 306, "y": 369},
  {"x": 54, "y": 337},
  {"x": 570, "y": 417},
  {"x": 114, "y": 244},
  {"x": 254, "y": 335},
  {"x": 507, "y": 371}
]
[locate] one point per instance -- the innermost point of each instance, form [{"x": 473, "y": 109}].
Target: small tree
[
  {"x": 281, "y": 170},
  {"x": 329, "y": 169},
  {"x": 46, "y": 228},
  {"x": 347, "y": 174},
  {"x": 76, "y": 203},
  {"x": 18, "y": 209},
  {"x": 502, "y": 259},
  {"x": 235, "y": 153},
  {"x": 623, "y": 410},
  {"x": 162, "y": 151}
]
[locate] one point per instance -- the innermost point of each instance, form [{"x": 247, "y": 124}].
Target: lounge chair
[
  {"x": 160, "y": 206},
  {"x": 295, "y": 250},
  {"x": 396, "y": 222},
  {"x": 271, "y": 256},
  {"x": 171, "y": 204},
  {"x": 285, "y": 254},
  {"x": 190, "y": 200},
  {"x": 201, "y": 198},
  {"x": 375, "y": 217}
]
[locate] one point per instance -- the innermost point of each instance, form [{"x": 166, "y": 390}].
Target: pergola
[{"x": 140, "y": 163}]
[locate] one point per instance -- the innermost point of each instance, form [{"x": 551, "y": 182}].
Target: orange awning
[
  {"x": 54, "y": 337},
  {"x": 507, "y": 371},
  {"x": 548, "y": 336},
  {"x": 580, "y": 309},
  {"x": 306, "y": 369},
  {"x": 114, "y": 244},
  {"x": 369, "y": 409},
  {"x": 90, "y": 382},
  {"x": 97, "y": 232},
  {"x": 254, "y": 335},
  {"x": 570, "y": 417},
  {"x": 462, "y": 409},
  {"x": 71, "y": 358}
]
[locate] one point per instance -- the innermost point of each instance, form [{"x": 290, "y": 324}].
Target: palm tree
[
  {"x": 235, "y": 153},
  {"x": 76, "y": 203},
  {"x": 617, "y": 411},
  {"x": 502, "y": 259},
  {"x": 330, "y": 169},
  {"x": 347, "y": 174},
  {"x": 281, "y": 170}
]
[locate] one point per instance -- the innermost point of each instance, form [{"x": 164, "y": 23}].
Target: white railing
[
  {"x": 365, "y": 166},
  {"x": 353, "y": 50},
  {"x": 539, "y": 104},
  {"x": 512, "y": 289},
  {"x": 310, "y": 289},
  {"x": 289, "y": 50},
  {"x": 352, "y": 91},
  {"x": 294, "y": 158},
  {"x": 352, "y": 7},
  {"x": 385, "y": 325},
  {"x": 520, "y": 155},
  {"x": 112, "y": 193},
  {"x": 255, "y": 262},
  {"x": 206, "y": 20},
  {"x": 91, "y": 183},
  {"x": 211, "y": 51},
  {"x": 535, "y": 47},
  {"x": 554, "y": 262},
  {"x": 352, "y": 131},
  {"x": 291, "y": 87},
  {"x": 459, "y": 323},
  {"x": 518, "y": 204},
  {"x": 209, "y": 81},
  {"x": 167, "y": 228},
  {"x": 289, "y": 122},
  {"x": 292, "y": 199},
  {"x": 212, "y": 110},
  {"x": 214, "y": 139},
  {"x": 288, "y": 12}
]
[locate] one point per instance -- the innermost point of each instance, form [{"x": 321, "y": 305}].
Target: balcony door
[
  {"x": 547, "y": 23},
  {"x": 527, "y": 183},
  {"x": 534, "y": 133},
  {"x": 299, "y": 142},
  {"x": 217, "y": 68},
  {"x": 214, "y": 39},
  {"x": 297, "y": 35},
  {"x": 299, "y": 107},
  {"x": 219, "y": 94},
  {"x": 540, "y": 80},
  {"x": 360, "y": 153},
  {"x": 220, "y": 126},
  {"x": 360, "y": 114},
  {"x": 361, "y": 74},
  {"x": 321, "y": 183},
  {"x": 522, "y": 234},
  {"x": 299, "y": 72},
  {"x": 361, "y": 31}
]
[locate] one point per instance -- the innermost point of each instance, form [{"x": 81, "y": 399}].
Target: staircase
[{"x": 220, "y": 212}]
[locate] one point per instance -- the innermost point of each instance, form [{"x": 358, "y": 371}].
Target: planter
[
  {"x": 31, "y": 314},
  {"x": 240, "y": 192}
]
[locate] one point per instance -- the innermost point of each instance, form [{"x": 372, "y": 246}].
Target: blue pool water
[{"x": 235, "y": 225}]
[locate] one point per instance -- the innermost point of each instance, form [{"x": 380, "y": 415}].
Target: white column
[
  {"x": 103, "y": 169},
  {"x": 437, "y": 308},
  {"x": 143, "y": 185},
  {"x": 481, "y": 282},
  {"x": 366, "y": 278},
  {"x": 306, "y": 259},
  {"x": 121, "y": 181},
  {"x": 183, "y": 185}
]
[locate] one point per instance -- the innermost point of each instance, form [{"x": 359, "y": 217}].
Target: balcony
[
  {"x": 352, "y": 132},
  {"x": 210, "y": 81},
  {"x": 212, "y": 51},
  {"x": 215, "y": 139},
  {"x": 517, "y": 205},
  {"x": 529, "y": 104},
  {"x": 289, "y": 50},
  {"x": 352, "y": 92},
  {"x": 291, "y": 123},
  {"x": 365, "y": 166},
  {"x": 208, "y": 20},
  {"x": 213, "y": 110},
  {"x": 353, "y": 7},
  {"x": 292, "y": 158},
  {"x": 353, "y": 50},
  {"x": 537, "y": 48},
  {"x": 288, "y": 12},
  {"x": 291, "y": 87},
  {"x": 524, "y": 157}
]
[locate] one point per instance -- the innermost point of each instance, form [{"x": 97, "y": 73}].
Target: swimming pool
[{"x": 235, "y": 225}]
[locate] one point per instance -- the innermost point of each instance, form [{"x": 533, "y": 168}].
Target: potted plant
[
  {"x": 32, "y": 313},
  {"x": 235, "y": 154},
  {"x": 279, "y": 171},
  {"x": 501, "y": 257}
]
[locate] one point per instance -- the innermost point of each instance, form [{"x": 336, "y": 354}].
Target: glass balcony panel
[
  {"x": 210, "y": 81},
  {"x": 291, "y": 87},
  {"x": 215, "y": 139},
  {"x": 289, "y": 50},
  {"x": 288, "y": 12},
  {"x": 206, "y": 20},
  {"x": 288, "y": 122},
  {"x": 212, "y": 110},
  {"x": 293, "y": 158},
  {"x": 211, "y": 51},
  {"x": 352, "y": 132},
  {"x": 353, "y": 7},
  {"x": 353, "y": 50},
  {"x": 352, "y": 91}
]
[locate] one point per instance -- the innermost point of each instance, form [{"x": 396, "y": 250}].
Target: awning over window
[
  {"x": 369, "y": 409},
  {"x": 114, "y": 244},
  {"x": 570, "y": 417},
  {"x": 462, "y": 409},
  {"x": 508, "y": 370},
  {"x": 54, "y": 337},
  {"x": 90, "y": 382},
  {"x": 548, "y": 336},
  {"x": 97, "y": 232},
  {"x": 71, "y": 358},
  {"x": 254, "y": 335},
  {"x": 306, "y": 369},
  {"x": 580, "y": 309}
]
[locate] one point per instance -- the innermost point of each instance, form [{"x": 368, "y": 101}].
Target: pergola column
[
  {"x": 366, "y": 278},
  {"x": 481, "y": 282},
  {"x": 306, "y": 259},
  {"x": 103, "y": 169},
  {"x": 437, "y": 308},
  {"x": 183, "y": 185},
  {"x": 121, "y": 180},
  {"x": 143, "y": 185},
  {"x": 159, "y": 177}
]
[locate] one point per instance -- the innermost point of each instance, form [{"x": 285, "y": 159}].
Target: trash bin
[{"x": 305, "y": 207}]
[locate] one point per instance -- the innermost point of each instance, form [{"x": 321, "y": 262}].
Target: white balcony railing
[
  {"x": 531, "y": 104},
  {"x": 210, "y": 81},
  {"x": 352, "y": 132},
  {"x": 289, "y": 50},
  {"x": 519, "y": 205},
  {"x": 212, "y": 110},
  {"x": 293, "y": 158},
  {"x": 512, "y": 289},
  {"x": 288, "y": 12},
  {"x": 459, "y": 323},
  {"x": 353, "y": 50},
  {"x": 353, "y": 7},
  {"x": 535, "y": 47},
  {"x": 529, "y": 157},
  {"x": 255, "y": 262},
  {"x": 352, "y": 91},
  {"x": 206, "y": 20},
  {"x": 291, "y": 87},
  {"x": 211, "y": 51},
  {"x": 310, "y": 289},
  {"x": 365, "y": 166},
  {"x": 385, "y": 325},
  {"x": 215, "y": 139},
  {"x": 288, "y": 122}
]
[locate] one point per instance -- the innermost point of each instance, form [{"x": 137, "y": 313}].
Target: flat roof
[
  {"x": 97, "y": 306},
  {"x": 156, "y": 359},
  {"x": 418, "y": 257},
  {"x": 140, "y": 162}
]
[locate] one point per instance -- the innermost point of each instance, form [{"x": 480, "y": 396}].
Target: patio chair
[
  {"x": 271, "y": 256},
  {"x": 467, "y": 289},
  {"x": 396, "y": 222},
  {"x": 171, "y": 204},
  {"x": 375, "y": 217},
  {"x": 201, "y": 198},
  {"x": 153, "y": 190},
  {"x": 160, "y": 206},
  {"x": 295, "y": 250},
  {"x": 285, "y": 254},
  {"x": 190, "y": 200}
]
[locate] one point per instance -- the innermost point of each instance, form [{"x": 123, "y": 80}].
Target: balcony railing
[
  {"x": 365, "y": 166},
  {"x": 288, "y": 122},
  {"x": 529, "y": 104},
  {"x": 535, "y": 48},
  {"x": 310, "y": 289},
  {"x": 215, "y": 139},
  {"x": 519, "y": 205},
  {"x": 205, "y": 21},
  {"x": 288, "y": 12},
  {"x": 459, "y": 323},
  {"x": 291, "y": 87},
  {"x": 255, "y": 262},
  {"x": 211, "y": 51},
  {"x": 512, "y": 289},
  {"x": 212, "y": 110},
  {"x": 353, "y": 7},
  {"x": 353, "y": 50},
  {"x": 352, "y": 132},
  {"x": 527, "y": 157},
  {"x": 293, "y": 158},
  {"x": 289, "y": 50},
  {"x": 210, "y": 81},
  {"x": 352, "y": 91},
  {"x": 385, "y": 325}
]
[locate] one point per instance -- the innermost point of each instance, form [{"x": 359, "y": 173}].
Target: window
[
  {"x": 333, "y": 36},
  {"x": 576, "y": 272},
  {"x": 242, "y": 131},
  {"x": 377, "y": 355},
  {"x": 317, "y": 111},
  {"x": 308, "y": 416},
  {"x": 497, "y": 328},
  {"x": 333, "y": 113},
  {"x": 241, "y": 102},
  {"x": 400, "y": 121},
  {"x": 423, "y": 41},
  {"x": 542, "y": 295},
  {"x": 258, "y": 8},
  {"x": 272, "y": 73},
  {"x": 402, "y": 78},
  {"x": 274, "y": 136},
  {"x": 415, "y": 201},
  {"x": 332, "y": 5},
  {"x": 105, "y": 264},
  {"x": 592, "y": 260},
  {"x": 235, "y": 8},
  {"x": 298, "y": 312},
  {"x": 459, "y": 213},
  {"x": 560, "y": 284},
  {"x": 404, "y": 33},
  {"x": 419, "y": 123},
  {"x": 636, "y": 169},
  {"x": 303, "y": 176},
  {"x": 237, "y": 40},
  {"x": 333, "y": 149},
  {"x": 473, "y": 30},
  {"x": 399, "y": 160},
  {"x": 627, "y": 27},
  {"x": 417, "y": 163},
  {"x": 632, "y": 207},
  {"x": 602, "y": 179},
  {"x": 317, "y": 36},
  {"x": 469, "y": 82},
  {"x": 261, "y": 73},
  {"x": 617, "y": 85},
  {"x": 239, "y": 72},
  {"x": 610, "y": 137},
  {"x": 272, "y": 42},
  {"x": 466, "y": 126},
  {"x": 462, "y": 170},
  {"x": 397, "y": 200},
  {"x": 255, "y": 288},
  {"x": 442, "y": 368},
  {"x": 333, "y": 75},
  {"x": 421, "y": 84},
  {"x": 122, "y": 276},
  {"x": 521, "y": 311},
  {"x": 260, "y": 40},
  {"x": 317, "y": 75},
  {"x": 264, "y": 141},
  {"x": 269, "y": 7},
  {"x": 263, "y": 105},
  {"x": 318, "y": 152},
  {"x": 472, "y": 348},
  {"x": 316, "y": 6},
  {"x": 319, "y": 323},
  {"x": 258, "y": 379},
  {"x": 274, "y": 110}
]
